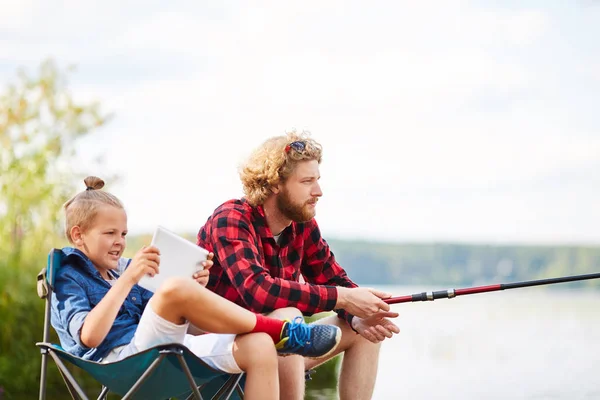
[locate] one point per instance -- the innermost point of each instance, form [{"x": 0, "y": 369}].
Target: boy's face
[{"x": 104, "y": 242}]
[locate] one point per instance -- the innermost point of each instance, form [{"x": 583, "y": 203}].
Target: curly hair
[
  {"x": 273, "y": 162},
  {"x": 82, "y": 208}
]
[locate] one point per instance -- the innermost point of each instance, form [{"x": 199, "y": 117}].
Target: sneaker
[{"x": 312, "y": 341}]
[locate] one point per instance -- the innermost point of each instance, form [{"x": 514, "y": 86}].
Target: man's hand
[
  {"x": 377, "y": 327},
  {"x": 202, "y": 276},
  {"x": 362, "y": 302}
]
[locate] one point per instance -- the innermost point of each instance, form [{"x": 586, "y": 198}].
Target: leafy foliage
[{"x": 39, "y": 125}]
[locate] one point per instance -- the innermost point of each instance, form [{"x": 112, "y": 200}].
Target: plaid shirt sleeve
[
  {"x": 235, "y": 246},
  {"x": 320, "y": 267}
]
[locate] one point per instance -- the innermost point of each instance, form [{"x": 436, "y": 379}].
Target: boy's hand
[
  {"x": 202, "y": 276},
  {"x": 145, "y": 262}
]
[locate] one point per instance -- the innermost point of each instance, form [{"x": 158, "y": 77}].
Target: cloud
[{"x": 441, "y": 119}]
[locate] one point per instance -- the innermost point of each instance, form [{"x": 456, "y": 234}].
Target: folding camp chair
[{"x": 161, "y": 372}]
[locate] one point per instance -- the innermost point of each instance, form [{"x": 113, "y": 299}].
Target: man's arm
[
  {"x": 320, "y": 267},
  {"x": 234, "y": 244},
  {"x": 318, "y": 264}
]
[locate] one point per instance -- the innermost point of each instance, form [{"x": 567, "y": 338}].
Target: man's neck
[{"x": 276, "y": 221}]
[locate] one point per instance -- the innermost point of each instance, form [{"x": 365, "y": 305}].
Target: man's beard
[{"x": 295, "y": 212}]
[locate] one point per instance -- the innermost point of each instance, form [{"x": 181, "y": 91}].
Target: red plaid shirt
[{"x": 252, "y": 270}]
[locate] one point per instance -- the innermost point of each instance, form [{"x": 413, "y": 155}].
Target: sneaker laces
[{"x": 298, "y": 333}]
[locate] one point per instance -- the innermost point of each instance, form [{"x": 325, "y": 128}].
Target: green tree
[{"x": 40, "y": 123}]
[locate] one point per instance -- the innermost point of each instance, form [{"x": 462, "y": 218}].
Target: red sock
[{"x": 270, "y": 326}]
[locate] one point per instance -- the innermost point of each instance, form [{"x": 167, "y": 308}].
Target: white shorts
[{"x": 214, "y": 349}]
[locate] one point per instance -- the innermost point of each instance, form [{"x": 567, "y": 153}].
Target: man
[{"x": 268, "y": 242}]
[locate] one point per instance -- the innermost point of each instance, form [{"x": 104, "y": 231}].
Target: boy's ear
[{"x": 76, "y": 235}]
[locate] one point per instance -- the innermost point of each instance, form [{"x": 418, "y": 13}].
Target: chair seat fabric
[{"x": 168, "y": 379}]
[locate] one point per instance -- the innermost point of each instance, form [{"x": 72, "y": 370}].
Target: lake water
[{"x": 532, "y": 343}]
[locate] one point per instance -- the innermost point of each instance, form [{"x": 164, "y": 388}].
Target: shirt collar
[
  {"x": 265, "y": 232},
  {"x": 84, "y": 262}
]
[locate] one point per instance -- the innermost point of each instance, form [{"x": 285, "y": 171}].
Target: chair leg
[
  {"x": 228, "y": 387},
  {"x": 74, "y": 388},
  {"x": 103, "y": 393},
  {"x": 70, "y": 388},
  {"x": 232, "y": 384},
  {"x": 43, "y": 374},
  {"x": 189, "y": 376},
  {"x": 240, "y": 391},
  {"x": 144, "y": 376},
  {"x": 193, "y": 396}
]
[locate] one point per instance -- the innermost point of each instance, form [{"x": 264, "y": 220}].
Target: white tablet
[{"x": 178, "y": 258}]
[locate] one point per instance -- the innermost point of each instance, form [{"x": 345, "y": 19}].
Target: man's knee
[
  {"x": 255, "y": 350},
  {"x": 357, "y": 341},
  {"x": 351, "y": 339}
]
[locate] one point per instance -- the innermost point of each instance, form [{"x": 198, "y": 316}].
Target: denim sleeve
[
  {"x": 72, "y": 305},
  {"x": 122, "y": 266},
  {"x": 146, "y": 294}
]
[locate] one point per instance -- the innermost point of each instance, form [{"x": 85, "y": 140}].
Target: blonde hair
[
  {"x": 273, "y": 162},
  {"x": 82, "y": 208}
]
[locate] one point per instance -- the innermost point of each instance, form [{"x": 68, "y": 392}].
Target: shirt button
[{"x": 133, "y": 298}]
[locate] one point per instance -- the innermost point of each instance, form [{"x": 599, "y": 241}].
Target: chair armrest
[{"x": 42, "y": 284}]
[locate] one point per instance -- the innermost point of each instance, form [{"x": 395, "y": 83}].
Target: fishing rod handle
[{"x": 423, "y": 296}]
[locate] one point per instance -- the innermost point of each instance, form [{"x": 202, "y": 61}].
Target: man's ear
[
  {"x": 76, "y": 235},
  {"x": 277, "y": 188}
]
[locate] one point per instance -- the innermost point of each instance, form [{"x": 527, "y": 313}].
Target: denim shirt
[{"x": 78, "y": 288}]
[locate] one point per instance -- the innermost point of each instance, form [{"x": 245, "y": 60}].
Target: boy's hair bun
[{"x": 93, "y": 183}]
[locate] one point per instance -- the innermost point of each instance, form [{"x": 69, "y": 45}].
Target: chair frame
[{"x": 45, "y": 281}]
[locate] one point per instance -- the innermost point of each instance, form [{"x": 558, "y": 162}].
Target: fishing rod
[{"x": 451, "y": 293}]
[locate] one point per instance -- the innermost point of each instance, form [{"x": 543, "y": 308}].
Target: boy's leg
[
  {"x": 251, "y": 353},
  {"x": 181, "y": 300},
  {"x": 359, "y": 366},
  {"x": 256, "y": 355}
]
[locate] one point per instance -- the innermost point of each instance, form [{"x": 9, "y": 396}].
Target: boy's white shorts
[{"x": 214, "y": 349}]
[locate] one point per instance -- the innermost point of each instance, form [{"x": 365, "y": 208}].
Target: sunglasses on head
[{"x": 298, "y": 146}]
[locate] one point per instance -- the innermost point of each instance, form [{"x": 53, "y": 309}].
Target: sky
[{"x": 441, "y": 121}]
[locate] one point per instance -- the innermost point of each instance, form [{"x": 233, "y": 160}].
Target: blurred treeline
[
  {"x": 462, "y": 264},
  {"x": 40, "y": 125}
]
